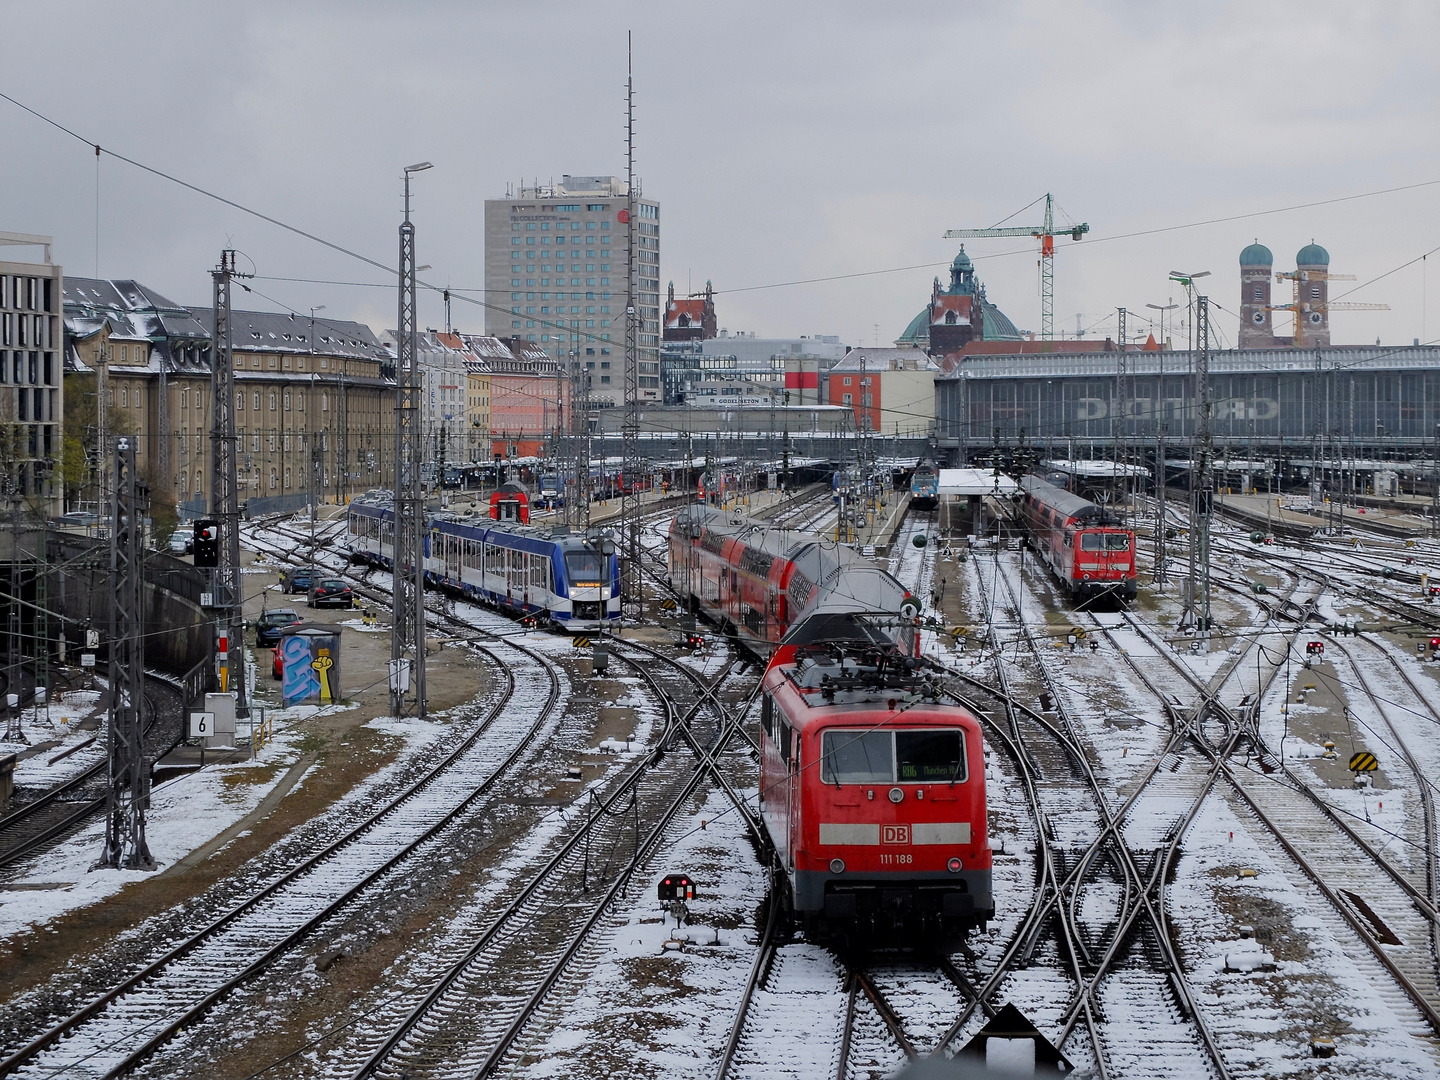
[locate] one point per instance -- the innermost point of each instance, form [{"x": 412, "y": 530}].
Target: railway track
[
  {"x": 478, "y": 1010},
  {"x": 1100, "y": 853},
  {"x": 54, "y": 814},
  {"x": 141, "y": 1012}
]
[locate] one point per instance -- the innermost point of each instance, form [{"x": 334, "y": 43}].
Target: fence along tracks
[{"x": 123, "y": 1026}]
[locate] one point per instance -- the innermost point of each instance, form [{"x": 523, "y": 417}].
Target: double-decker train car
[
  {"x": 510, "y": 502},
  {"x": 872, "y": 790},
  {"x": 1085, "y": 545},
  {"x": 759, "y": 581},
  {"x": 572, "y": 582},
  {"x": 925, "y": 486}
]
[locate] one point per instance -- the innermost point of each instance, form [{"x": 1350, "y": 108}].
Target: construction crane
[
  {"x": 1046, "y": 235},
  {"x": 1299, "y": 308}
]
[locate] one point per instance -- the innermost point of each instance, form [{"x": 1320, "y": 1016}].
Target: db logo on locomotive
[{"x": 895, "y": 834}]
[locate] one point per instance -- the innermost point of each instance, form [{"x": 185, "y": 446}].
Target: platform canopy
[
  {"x": 975, "y": 482},
  {"x": 1093, "y": 470}
]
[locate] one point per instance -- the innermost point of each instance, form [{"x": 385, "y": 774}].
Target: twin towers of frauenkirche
[{"x": 1311, "y": 279}]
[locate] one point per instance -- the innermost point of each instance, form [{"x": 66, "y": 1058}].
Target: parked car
[
  {"x": 271, "y": 623},
  {"x": 277, "y": 664},
  {"x": 331, "y": 592},
  {"x": 181, "y": 543},
  {"x": 297, "y": 579}
]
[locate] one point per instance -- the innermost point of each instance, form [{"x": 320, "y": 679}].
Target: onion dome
[
  {"x": 1312, "y": 254},
  {"x": 1257, "y": 254}
]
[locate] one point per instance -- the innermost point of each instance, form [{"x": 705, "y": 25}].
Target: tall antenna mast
[{"x": 629, "y": 487}]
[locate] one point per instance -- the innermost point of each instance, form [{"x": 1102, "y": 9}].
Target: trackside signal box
[
  {"x": 207, "y": 542},
  {"x": 676, "y": 887},
  {"x": 1315, "y": 648}
]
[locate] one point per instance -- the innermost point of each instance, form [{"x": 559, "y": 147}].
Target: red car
[{"x": 277, "y": 665}]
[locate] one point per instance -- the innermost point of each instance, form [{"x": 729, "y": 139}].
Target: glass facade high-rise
[{"x": 555, "y": 274}]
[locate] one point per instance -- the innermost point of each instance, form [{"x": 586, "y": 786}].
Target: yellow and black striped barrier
[
  {"x": 1363, "y": 762},
  {"x": 580, "y": 643}
]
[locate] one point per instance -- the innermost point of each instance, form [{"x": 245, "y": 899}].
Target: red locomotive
[
  {"x": 510, "y": 502},
  {"x": 1085, "y": 545},
  {"x": 872, "y": 791},
  {"x": 759, "y": 581}
]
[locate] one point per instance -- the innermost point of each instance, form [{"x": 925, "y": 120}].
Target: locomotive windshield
[
  {"x": 925, "y": 756},
  {"x": 1104, "y": 541},
  {"x": 584, "y": 566}
]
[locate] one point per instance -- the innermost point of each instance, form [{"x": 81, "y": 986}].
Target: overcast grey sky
[{"x": 784, "y": 141}]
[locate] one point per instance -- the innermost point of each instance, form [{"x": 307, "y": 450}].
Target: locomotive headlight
[
  {"x": 953, "y": 865},
  {"x": 896, "y": 794},
  {"x": 837, "y": 866}
]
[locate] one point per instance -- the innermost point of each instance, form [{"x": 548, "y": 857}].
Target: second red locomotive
[{"x": 1085, "y": 545}]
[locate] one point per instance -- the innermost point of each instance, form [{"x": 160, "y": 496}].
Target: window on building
[
  {"x": 847, "y": 380},
  {"x": 1314, "y": 292},
  {"x": 849, "y": 399}
]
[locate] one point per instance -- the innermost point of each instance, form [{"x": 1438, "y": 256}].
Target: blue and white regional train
[
  {"x": 569, "y": 580},
  {"x": 925, "y": 486}
]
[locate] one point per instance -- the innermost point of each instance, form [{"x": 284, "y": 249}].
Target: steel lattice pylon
[
  {"x": 407, "y": 632},
  {"x": 228, "y": 596},
  {"x": 129, "y": 787},
  {"x": 1196, "y": 614},
  {"x": 630, "y": 433}
]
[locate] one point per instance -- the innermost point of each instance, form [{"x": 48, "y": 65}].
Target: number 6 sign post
[{"x": 202, "y": 726}]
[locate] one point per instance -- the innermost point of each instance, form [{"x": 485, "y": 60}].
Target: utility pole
[
  {"x": 226, "y": 588},
  {"x": 129, "y": 787},
  {"x": 1196, "y": 614},
  {"x": 630, "y": 435},
  {"x": 407, "y": 628},
  {"x": 1122, "y": 406}
]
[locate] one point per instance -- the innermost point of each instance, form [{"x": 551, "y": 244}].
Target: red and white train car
[
  {"x": 1085, "y": 545},
  {"x": 872, "y": 791},
  {"x": 759, "y": 581}
]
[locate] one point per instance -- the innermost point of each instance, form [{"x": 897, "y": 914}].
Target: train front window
[
  {"x": 584, "y": 566},
  {"x": 1092, "y": 541},
  {"x": 921, "y": 756},
  {"x": 858, "y": 757},
  {"x": 1117, "y": 542},
  {"x": 932, "y": 756}
]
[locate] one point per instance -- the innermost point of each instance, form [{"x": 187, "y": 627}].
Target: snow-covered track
[
  {"x": 131, "y": 1021},
  {"x": 475, "y": 1008}
]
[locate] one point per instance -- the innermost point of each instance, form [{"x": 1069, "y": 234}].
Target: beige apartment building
[{"x": 314, "y": 407}]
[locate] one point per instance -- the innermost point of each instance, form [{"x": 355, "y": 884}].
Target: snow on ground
[
  {"x": 185, "y": 813},
  {"x": 1265, "y": 1019},
  {"x": 58, "y": 723},
  {"x": 655, "y": 1011}
]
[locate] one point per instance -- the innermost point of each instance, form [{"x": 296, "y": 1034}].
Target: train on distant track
[
  {"x": 1085, "y": 545},
  {"x": 925, "y": 486},
  {"x": 872, "y": 787},
  {"x": 569, "y": 581}
]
